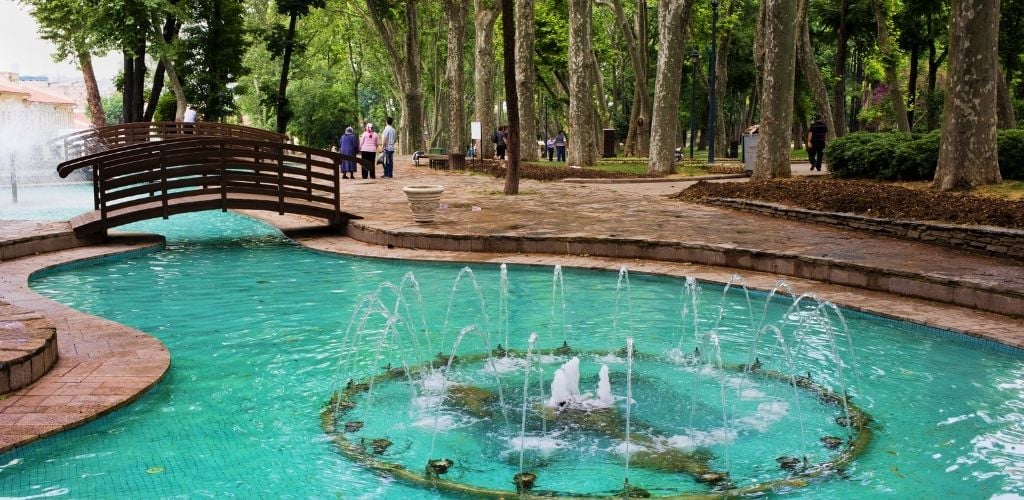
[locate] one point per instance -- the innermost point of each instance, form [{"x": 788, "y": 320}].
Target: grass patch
[
  {"x": 1008, "y": 190},
  {"x": 637, "y": 166}
]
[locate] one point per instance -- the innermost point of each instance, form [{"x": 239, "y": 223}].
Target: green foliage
[
  {"x": 915, "y": 159},
  {"x": 863, "y": 154},
  {"x": 211, "y": 56},
  {"x": 321, "y": 112},
  {"x": 113, "y": 108},
  {"x": 1011, "y": 153},
  {"x": 903, "y": 157},
  {"x": 166, "y": 107}
]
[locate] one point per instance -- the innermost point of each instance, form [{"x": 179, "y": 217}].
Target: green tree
[
  {"x": 75, "y": 29},
  {"x": 283, "y": 43},
  {"x": 211, "y": 56}
]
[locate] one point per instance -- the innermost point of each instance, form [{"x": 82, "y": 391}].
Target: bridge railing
[
  {"x": 103, "y": 138},
  {"x": 152, "y": 177}
]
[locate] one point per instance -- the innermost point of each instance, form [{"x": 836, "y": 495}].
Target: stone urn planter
[{"x": 423, "y": 201}]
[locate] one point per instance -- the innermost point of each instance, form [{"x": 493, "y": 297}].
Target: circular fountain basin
[{"x": 781, "y": 432}]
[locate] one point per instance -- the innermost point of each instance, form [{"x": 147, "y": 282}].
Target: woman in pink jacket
[{"x": 368, "y": 150}]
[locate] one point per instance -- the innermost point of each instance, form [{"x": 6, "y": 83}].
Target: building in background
[{"x": 29, "y": 118}]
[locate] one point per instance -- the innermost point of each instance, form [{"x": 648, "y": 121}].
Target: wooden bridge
[
  {"x": 166, "y": 177},
  {"x": 99, "y": 139}
]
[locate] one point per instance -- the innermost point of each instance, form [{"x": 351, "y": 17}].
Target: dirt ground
[{"x": 874, "y": 199}]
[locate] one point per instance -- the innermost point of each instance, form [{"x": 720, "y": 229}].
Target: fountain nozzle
[
  {"x": 438, "y": 466},
  {"x": 524, "y": 481}
]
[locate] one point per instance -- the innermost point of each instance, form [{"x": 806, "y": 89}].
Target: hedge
[{"x": 894, "y": 156}]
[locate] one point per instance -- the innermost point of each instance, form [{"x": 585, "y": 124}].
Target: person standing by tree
[
  {"x": 816, "y": 136},
  {"x": 368, "y": 149},
  {"x": 390, "y": 137}
]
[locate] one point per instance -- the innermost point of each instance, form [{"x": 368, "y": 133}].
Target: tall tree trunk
[
  {"x": 811, "y": 73},
  {"x": 582, "y": 146},
  {"x": 915, "y": 60},
  {"x": 968, "y": 154},
  {"x": 172, "y": 74},
  {"x": 92, "y": 91},
  {"x": 508, "y": 31},
  {"x": 139, "y": 100},
  {"x": 483, "y": 73},
  {"x": 722, "y": 137},
  {"x": 284, "y": 113},
  {"x": 525, "y": 80},
  {"x": 1007, "y": 118},
  {"x": 934, "y": 62},
  {"x": 405, "y": 68},
  {"x": 170, "y": 32},
  {"x": 839, "y": 70},
  {"x": 357, "y": 78},
  {"x": 127, "y": 86},
  {"x": 673, "y": 16},
  {"x": 890, "y": 61},
  {"x": 638, "y": 137},
  {"x": 455, "y": 75},
  {"x": 773, "y": 147},
  {"x": 155, "y": 91}
]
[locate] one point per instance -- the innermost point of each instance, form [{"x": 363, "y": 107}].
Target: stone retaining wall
[
  {"x": 996, "y": 241},
  {"x": 937, "y": 288},
  {"x": 28, "y": 347}
]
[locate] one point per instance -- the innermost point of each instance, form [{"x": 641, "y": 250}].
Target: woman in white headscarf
[{"x": 368, "y": 143}]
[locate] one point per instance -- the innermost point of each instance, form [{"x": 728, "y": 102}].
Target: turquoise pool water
[
  {"x": 46, "y": 202},
  {"x": 256, "y": 327}
]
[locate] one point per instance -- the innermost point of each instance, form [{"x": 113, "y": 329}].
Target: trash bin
[
  {"x": 734, "y": 147},
  {"x": 457, "y": 161},
  {"x": 609, "y": 143},
  {"x": 750, "y": 151}
]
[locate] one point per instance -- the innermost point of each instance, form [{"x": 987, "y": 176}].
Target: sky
[{"x": 23, "y": 51}]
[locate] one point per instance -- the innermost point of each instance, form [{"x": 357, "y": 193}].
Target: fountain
[{"x": 687, "y": 421}]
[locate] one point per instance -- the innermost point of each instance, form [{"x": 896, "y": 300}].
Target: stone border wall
[
  {"x": 989, "y": 240},
  {"x": 28, "y": 347},
  {"x": 937, "y": 288}
]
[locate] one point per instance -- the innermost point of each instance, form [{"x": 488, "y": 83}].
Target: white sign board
[{"x": 474, "y": 131}]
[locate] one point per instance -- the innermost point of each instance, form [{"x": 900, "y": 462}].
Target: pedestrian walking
[{"x": 817, "y": 135}]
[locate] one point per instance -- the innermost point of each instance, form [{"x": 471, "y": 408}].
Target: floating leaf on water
[{"x": 154, "y": 470}]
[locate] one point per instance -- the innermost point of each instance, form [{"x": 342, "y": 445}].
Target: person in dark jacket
[
  {"x": 816, "y": 138},
  {"x": 348, "y": 144}
]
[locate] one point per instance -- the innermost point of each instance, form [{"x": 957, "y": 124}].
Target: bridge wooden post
[
  {"x": 337, "y": 192},
  {"x": 96, "y": 186},
  {"x": 309, "y": 176},
  {"x": 98, "y": 189},
  {"x": 163, "y": 185},
  {"x": 223, "y": 179},
  {"x": 280, "y": 180}
]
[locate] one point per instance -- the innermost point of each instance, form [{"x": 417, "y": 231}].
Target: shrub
[
  {"x": 915, "y": 160},
  {"x": 863, "y": 154},
  {"x": 903, "y": 157},
  {"x": 1011, "y": 154}
]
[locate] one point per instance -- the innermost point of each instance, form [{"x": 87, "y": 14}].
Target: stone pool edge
[{"x": 101, "y": 365}]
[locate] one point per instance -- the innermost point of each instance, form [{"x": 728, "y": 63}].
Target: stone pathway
[{"x": 104, "y": 365}]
